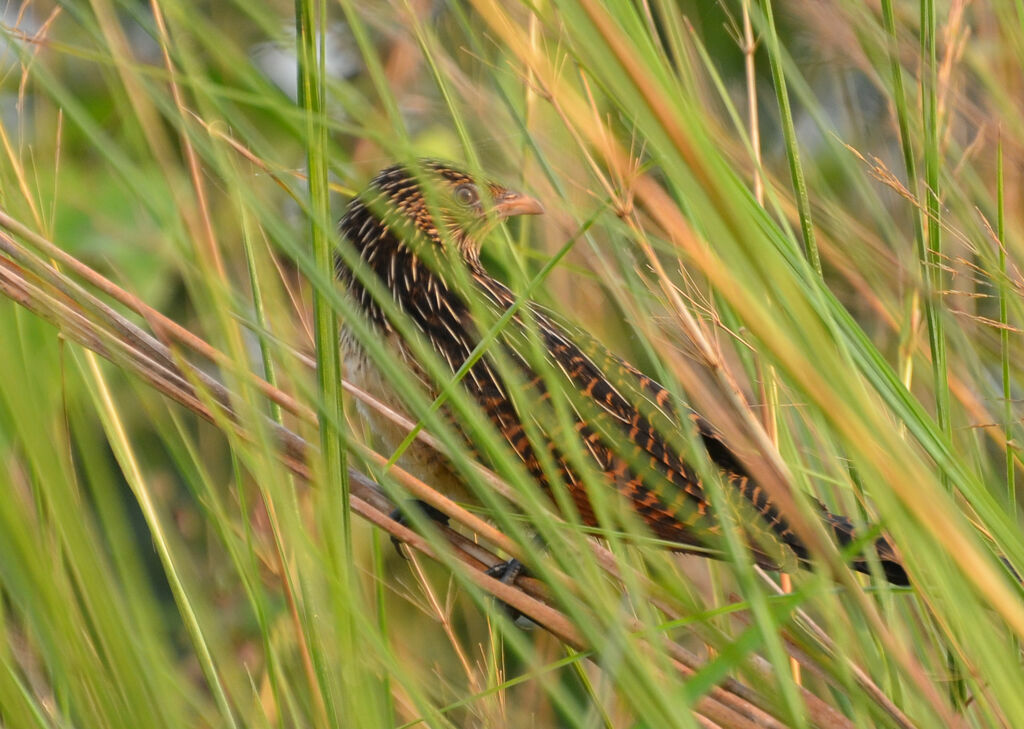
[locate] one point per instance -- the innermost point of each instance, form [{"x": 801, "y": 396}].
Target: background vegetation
[{"x": 804, "y": 216}]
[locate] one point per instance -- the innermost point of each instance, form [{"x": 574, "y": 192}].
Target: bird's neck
[{"x": 394, "y": 256}]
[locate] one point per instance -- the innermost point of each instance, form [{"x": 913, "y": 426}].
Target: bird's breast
[{"x": 361, "y": 371}]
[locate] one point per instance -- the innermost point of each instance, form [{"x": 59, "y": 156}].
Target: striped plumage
[{"x": 627, "y": 423}]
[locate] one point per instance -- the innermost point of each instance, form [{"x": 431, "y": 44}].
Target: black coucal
[{"x": 408, "y": 228}]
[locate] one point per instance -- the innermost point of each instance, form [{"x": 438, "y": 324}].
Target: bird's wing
[
  {"x": 674, "y": 501},
  {"x": 625, "y": 420},
  {"x": 629, "y": 424}
]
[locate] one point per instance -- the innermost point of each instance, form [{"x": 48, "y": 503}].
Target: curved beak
[{"x": 515, "y": 203}]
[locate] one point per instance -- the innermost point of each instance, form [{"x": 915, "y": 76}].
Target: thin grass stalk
[
  {"x": 932, "y": 262},
  {"x": 310, "y": 18},
  {"x": 276, "y": 414},
  {"x": 287, "y": 580},
  {"x": 1004, "y": 337},
  {"x": 203, "y": 225},
  {"x": 380, "y": 543},
  {"x": 789, "y": 136},
  {"x": 768, "y": 377},
  {"x": 19, "y": 700},
  {"x": 133, "y": 474},
  {"x": 931, "y": 258}
]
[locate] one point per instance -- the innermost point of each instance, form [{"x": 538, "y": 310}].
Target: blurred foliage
[{"x": 156, "y": 572}]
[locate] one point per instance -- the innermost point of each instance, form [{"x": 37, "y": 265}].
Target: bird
[{"x": 407, "y": 232}]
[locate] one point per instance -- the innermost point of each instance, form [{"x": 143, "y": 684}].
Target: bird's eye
[{"x": 466, "y": 194}]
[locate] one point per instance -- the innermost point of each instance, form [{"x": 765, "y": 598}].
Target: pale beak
[{"x": 515, "y": 203}]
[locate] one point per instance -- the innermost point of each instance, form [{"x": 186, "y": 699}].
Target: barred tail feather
[{"x": 890, "y": 563}]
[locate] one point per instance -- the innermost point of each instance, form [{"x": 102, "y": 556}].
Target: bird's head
[
  {"x": 411, "y": 215},
  {"x": 443, "y": 204}
]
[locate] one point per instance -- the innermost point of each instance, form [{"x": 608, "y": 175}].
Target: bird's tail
[{"x": 846, "y": 534}]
